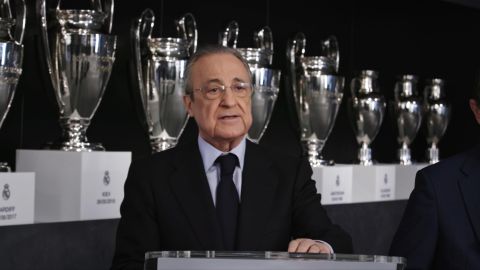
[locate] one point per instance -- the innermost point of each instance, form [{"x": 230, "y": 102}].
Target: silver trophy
[
  {"x": 79, "y": 53},
  {"x": 436, "y": 116},
  {"x": 408, "y": 115},
  {"x": 160, "y": 72},
  {"x": 367, "y": 109},
  {"x": 11, "y": 56},
  {"x": 317, "y": 92},
  {"x": 266, "y": 81}
]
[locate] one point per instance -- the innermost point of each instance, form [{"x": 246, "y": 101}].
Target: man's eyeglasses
[{"x": 216, "y": 90}]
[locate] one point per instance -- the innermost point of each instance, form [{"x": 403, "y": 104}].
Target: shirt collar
[{"x": 209, "y": 153}]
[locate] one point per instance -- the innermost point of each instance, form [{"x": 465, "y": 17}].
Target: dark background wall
[{"x": 427, "y": 38}]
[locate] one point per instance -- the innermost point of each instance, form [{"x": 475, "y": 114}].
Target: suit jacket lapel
[
  {"x": 258, "y": 190},
  {"x": 470, "y": 187},
  {"x": 190, "y": 185}
]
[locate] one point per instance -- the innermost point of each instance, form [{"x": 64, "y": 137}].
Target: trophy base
[
  {"x": 321, "y": 162},
  {"x": 4, "y": 167},
  {"x": 75, "y": 147},
  {"x": 159, "y": 144}
]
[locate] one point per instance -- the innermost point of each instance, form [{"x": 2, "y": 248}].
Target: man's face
[{"x": 228, "y": 118}]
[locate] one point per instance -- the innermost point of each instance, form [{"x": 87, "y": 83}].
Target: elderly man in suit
[
  {"x": 440, "y": 228},
  {"x": 222, "y": 192}
]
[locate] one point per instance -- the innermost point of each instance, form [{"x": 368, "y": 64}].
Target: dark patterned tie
[{"x": 227, "y": 200}]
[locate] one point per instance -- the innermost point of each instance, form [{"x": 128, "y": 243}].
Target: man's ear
[
  {"x": 187, "y": 102},
  {"x": 474, "y": 106}
]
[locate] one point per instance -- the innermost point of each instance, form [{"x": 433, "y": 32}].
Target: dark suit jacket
[
  {"x": 168, "y": 206},
  {"x": 441, "y": 224}
]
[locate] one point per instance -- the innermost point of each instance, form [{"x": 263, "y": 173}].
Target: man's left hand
[{"x": 304, "y": 245}]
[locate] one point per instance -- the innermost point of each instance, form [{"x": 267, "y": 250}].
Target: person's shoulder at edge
[
  {"x": 452, "y": 162},
  {"x": 162, "y": 159}
]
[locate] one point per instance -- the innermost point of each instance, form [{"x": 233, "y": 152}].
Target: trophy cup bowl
[
  {"x": 167, "y": 114},
  {"x": 367, "y": 109},
  {"x": 408, "y": 115},
  {"x": 78, "y": 52},
  {"x": 436, "y": 117},
  {"x": 323, "y": 95},
  {"x": 266, "y": 86},
  {"x": 265, "y": 80},
  {"x": 11, "y": 55},
  {"x": 85, "y": 61},
  {"x": 160, "y": 65}
]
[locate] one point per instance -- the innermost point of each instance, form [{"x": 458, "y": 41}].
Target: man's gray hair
[{"x": 206, "y": 51}]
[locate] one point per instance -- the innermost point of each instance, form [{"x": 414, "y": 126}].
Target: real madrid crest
[
  {"x": 6, "y": 192},
  {"x": 106, "y": 178}
]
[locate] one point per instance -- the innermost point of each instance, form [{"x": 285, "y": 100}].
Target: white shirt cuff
[{"x": 327, "y": 244}]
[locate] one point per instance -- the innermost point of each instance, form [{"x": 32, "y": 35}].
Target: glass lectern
[{"x": 219, "y": 260}]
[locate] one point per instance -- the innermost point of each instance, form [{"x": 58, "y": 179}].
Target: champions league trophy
[
  {"x": 317, "y": 92},
  {"x": 408, "y": 115},
  {"x": 11, "y": 56},
  {"x": 367, "y": 109},
  {"x": 160, "y": 71},
  {"x": 266, "y": 81},
  {"x": 437, "y": 116},
  {"x": 79, "y": 53}
]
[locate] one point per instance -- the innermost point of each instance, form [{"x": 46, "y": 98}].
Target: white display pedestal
[
  {"x": 373, "y": 183},
  {"x": 405, "y": 179},
  {"x": 334, "y": 183},
  {"x": 74, "y": 186},
  {"x": 17, "y": 198},
  {"x": 356, "y": 183}
]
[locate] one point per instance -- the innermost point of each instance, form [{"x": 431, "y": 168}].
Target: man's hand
[{"x": 304, "y": 245}]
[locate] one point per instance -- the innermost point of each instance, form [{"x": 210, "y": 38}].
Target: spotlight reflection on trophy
[
  {"x": 436, "y": 117},
  {"x": 78, "y": 52},
  {"x": 317, "y": 92},
  {"x": 11, "y": 56},
  {"x": 408, "y": 115},
  {"x": 367, "y": 109},
  {"x": 160, "y": 72},
  {"x": 266, "y": 81}
]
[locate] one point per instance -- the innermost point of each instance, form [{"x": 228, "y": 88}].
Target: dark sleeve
[
  {"x": 137, "y": 229},
  {"x": 416, "y": 236},
  {"x": 310, "y": 219}
]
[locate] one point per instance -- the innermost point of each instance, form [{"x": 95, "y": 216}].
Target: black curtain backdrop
[{"x": 426, "y": 38}]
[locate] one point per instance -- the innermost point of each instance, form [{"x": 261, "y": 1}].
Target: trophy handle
[
  {"x": 331, "y": 50},
  {"x": 263, "y": 39},
  {"x": 187, "y": 29},
  {"x": 46, "y": 54},
  {"x": 396, "y": 90},
  {"x": 21, "y": 13},
  {"x": 142, "y": 30},
  {"x": 107, "y": 7},
  {"x": 295, "y": 51},
  {"x": 352, "y": 86},
  {"x": 229, "y": 36}
]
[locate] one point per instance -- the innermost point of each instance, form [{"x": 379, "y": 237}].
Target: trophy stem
[
  {"x": 4, "y": 167},
  {"x": 74, "y": 137},
  {"x": 404, "y": 155},
  {"x": 314, "y": 147},
  {"x": 433, "y": 154},
  {"x": 159, "y": 144},
  {"x": 365, "y": 155}
]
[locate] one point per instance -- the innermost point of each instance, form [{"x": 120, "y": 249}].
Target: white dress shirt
[{"x": 212, "y": 170}]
